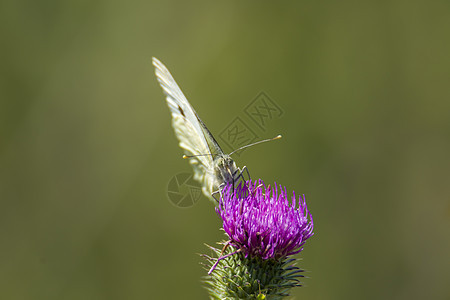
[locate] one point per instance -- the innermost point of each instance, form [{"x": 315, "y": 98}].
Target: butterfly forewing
[
  {"x": 193, "y": 135},
  {"x": 212, "y": 143}
]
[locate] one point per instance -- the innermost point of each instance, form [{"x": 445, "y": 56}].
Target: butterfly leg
[
  {"x": 241, "y": 176},
  {"x": 244, "y": 168},
  {"x": 237, "y": 176},
  {"x": 219, "y": 191},
  {"x": 248, "y": 173},
  {"x": 214, "y": 195}
]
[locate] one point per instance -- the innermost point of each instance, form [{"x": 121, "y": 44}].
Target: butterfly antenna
[
  {"x": 189, "y": 156},
  {"x": 253, "y": 144}
]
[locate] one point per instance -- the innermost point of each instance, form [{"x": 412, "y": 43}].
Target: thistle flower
[
  {"x": 264, "y": 228},
  {"x": 264, "y": 223}
]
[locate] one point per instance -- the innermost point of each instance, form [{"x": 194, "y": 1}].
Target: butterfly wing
[{"x": 191, "y": 132}]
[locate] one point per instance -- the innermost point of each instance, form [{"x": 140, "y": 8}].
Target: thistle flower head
[
  {"x": 264, "y": 227},
  {"x": 262, "y": 222}
]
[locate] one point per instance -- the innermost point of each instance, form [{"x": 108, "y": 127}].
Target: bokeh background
[{"x": 87, "y": 148}]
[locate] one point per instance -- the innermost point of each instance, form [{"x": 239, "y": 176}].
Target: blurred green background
[{"x": 87, "y": 148}]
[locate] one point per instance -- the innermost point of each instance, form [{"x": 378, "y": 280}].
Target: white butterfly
[{"x": 212, "y": 167}]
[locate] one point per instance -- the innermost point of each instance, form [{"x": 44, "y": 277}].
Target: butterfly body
[
  {"x": 212, "y": 167},
  {"x": 225, "y": 169}
]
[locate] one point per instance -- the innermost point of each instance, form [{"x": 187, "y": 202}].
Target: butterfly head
[{"x": 225, "y": 168}]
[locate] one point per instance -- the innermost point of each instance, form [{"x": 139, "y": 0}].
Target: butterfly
[{"x": 213, "y": 169}]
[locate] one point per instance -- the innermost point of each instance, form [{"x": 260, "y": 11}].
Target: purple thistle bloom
[{"x": 261, "y": 222}]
